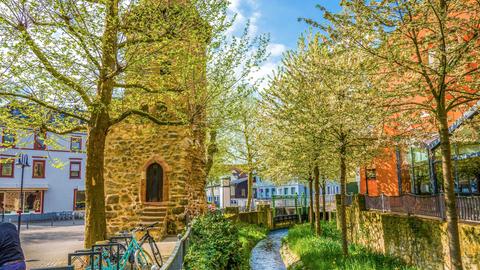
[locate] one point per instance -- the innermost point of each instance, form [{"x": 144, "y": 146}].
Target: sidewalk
[{"x": 46, "y": 246}]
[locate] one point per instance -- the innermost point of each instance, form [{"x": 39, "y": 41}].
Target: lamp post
[{"x": 23, "y": 162}]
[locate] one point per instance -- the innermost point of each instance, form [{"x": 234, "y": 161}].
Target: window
[
  {"x": 371, "y": 174},
  {"x": 6, "y": 167},
  {"x": 39, "y": 141},
  {"x": 75, "y": 144},
  {"x": 243, "y": 192},
  {"x": 75, "y": 169},
  {"x": 267, "y": 192},
  {"x": 285, "y": 191},
  {"x": 273, "y": 191},
  {"x": 328, "y": 190},
  {"x": 78, "y": 199},
  {"x": 292, "y": 190},
  {"x": 8, "y": 139},
  {"x": 38, "y": 169},
  {"x": 336, "y": 188}
]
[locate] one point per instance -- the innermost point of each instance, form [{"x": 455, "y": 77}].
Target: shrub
[{"x": 214, "y": 244}]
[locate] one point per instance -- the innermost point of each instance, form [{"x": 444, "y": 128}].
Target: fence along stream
[{"x": 468, "y": 207}]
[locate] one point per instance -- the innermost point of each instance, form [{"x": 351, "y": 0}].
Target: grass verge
[{"x": 325, "y": 252}]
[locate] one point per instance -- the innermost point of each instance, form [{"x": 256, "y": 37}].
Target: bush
[
  {"x": 220, "y": 244},
  {"x": 325, "y": 252},
  {"x": 214, "y": 244}
]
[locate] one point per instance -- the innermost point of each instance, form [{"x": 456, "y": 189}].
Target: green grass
[
  {"x": 249, "y": 236},
  {"x": 325, "y": 252}
]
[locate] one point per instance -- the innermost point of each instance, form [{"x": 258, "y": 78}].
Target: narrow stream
[{"x": 266, "y": 254}]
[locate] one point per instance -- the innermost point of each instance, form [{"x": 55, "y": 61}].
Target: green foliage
[
  {"x": 217, "y": 243},
  {"x": 326, "y": 252}
]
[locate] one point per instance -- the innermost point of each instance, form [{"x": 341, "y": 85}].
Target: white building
[
  {"x": 55, "y": 179},
  {"x": 263, "y": 191}
]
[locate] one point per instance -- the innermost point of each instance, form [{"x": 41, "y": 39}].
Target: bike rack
[
  {"x": 109, "y": 248},
  {"x": 86, "y": 253}
]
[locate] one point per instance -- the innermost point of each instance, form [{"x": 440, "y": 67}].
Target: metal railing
[
  {"x": 468, "y": 208},
  {"x": 177, "y": 258}
]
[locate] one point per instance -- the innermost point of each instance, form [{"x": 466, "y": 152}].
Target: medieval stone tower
[{"x": 155, "y": 173}]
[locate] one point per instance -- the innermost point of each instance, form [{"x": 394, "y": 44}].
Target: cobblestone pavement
[{"x": 46, "y": 246}]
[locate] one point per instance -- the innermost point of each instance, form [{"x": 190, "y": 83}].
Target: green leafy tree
[
  {"x": 325, "y": 91},
  {"x": 244, "y": 147},
  {"x": 431, "y": 49},
  {"x": 78, "y": 61}
]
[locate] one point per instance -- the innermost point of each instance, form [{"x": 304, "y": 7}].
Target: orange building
[{"x": 418, "y": 170}]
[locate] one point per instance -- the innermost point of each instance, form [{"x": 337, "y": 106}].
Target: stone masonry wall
[
  {"x": 129, "y": 148},
  {"x": 419, "y": 241}
]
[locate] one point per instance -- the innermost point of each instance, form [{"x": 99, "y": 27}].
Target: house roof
[{"x": 474, "y": 110}]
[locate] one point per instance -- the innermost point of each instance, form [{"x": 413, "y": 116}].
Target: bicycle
[{"x": 131, "y": 253}]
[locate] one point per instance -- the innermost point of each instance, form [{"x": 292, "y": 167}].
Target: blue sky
[{"x": 279, "y": 19}]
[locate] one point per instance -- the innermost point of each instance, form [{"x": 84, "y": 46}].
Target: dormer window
[
  {"x": 39, "y": 141},
  {"x": 8, "y": 139},
  {"x": 76, "y": 144}
]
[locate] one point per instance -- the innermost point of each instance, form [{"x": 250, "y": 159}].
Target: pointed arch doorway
[{"x": 154, "y": 187}]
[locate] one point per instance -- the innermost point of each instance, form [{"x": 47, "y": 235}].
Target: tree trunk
[
  {"x": 249, "y": 190},
  {"x": 95, "y": 222},
  {"x": 450, "y": 198},
  {"x": 324, "y": 203},
  {"x": 318, "y": 229},
  {"x": 95, "y": 218},
  {"x": 211, "y": 151},
  {"x": 310, "y": 210},
  {"x": 342, "y": 214}
]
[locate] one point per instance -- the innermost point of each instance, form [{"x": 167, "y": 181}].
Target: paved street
[{"x": 46, "y": 246}]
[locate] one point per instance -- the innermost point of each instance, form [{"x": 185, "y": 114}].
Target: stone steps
[
  {"x": 153, "y": 214},
  {"x": 150, "y": 220}
]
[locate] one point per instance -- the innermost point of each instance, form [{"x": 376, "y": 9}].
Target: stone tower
[{"x": 155, "y": 173}]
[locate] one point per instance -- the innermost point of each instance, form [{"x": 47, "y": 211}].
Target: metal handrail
[
  {"x": 468, "y": 208},
  {"x": 176, "y": 259}
]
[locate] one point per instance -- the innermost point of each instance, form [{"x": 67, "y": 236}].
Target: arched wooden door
[{"x": 154, "y": 192}]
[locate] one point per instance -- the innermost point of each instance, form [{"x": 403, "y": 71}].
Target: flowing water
[{"x": 266, "y": 254}]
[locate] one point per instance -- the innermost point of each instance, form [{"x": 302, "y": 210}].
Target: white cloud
[
  {"x": 276, "y": 49},
  {"x": 246, "y": 10}
]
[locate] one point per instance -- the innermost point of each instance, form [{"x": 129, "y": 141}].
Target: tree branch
[
  {"x": 63, "y": 132},
  {"x": 49, "y": 67},
  {"x": 141, "y": 113},
  {"x": 45, "y": 105},
  {"x": 145, "y": 88}
]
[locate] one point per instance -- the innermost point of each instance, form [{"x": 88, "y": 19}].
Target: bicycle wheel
[{"x": 143, "y": 260}]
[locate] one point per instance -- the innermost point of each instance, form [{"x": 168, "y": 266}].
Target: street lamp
[{"x": 23, "y": 162}]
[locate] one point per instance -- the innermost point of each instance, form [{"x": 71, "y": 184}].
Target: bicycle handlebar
[{"x": 145, "y": 227}]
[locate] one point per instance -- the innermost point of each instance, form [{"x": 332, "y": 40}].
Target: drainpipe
[
  {"x": 413, "y": 187},
  {"x": 431, "y": 168},
  {"x": 399, "y": 169}
]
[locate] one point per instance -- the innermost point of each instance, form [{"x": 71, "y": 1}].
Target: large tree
[
  {"x": 244, "y": 148},
  {"x": 232, "y": 59},
  {"x": 78, "y": 60},
  {"x": 334, "y": 104},
  {"x": 430, "y": 49}
]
